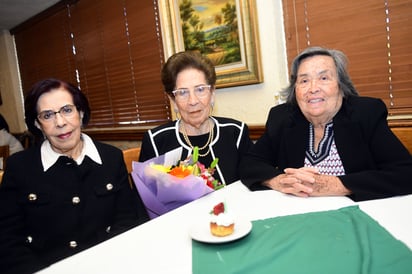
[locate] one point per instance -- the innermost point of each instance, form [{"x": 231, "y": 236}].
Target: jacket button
[
  {"x": 73, "y": 244},
  {"x": 29, "y": 239},
  {"x": 109, "y": 186},
  {"x": 75, "y": 200},
  {"x": 32, "y": 197}
]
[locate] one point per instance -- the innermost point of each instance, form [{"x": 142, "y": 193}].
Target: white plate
[{"x": 201, "y": 232}]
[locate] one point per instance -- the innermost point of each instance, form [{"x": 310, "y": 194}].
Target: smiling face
[
  {"x": 194, "y": 111},
  {"x": 63, "y": 132},
  {"x": 317, "y": 89}
]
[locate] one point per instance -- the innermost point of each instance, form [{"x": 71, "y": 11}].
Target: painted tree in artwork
[
  {"x": 193, "y": 36},
  {"x": 232, "y": 42},
  {"x": 218, "y": 37}
]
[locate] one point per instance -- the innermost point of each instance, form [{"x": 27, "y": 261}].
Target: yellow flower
[{"x": 161, "y": 168}]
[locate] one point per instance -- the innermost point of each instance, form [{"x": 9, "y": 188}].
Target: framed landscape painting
[{"x": 226, "y": 31}]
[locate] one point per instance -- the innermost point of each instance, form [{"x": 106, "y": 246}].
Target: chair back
[
  {"x": 130, "y": 155},
  {"x": 4, "y": 154},
  {"x": 404, "y": 134}
]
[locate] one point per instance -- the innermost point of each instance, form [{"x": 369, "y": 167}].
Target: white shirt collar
[{"x": 49, "y": 156}]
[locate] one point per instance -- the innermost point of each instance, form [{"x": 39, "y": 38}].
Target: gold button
[
  {"x": 75, "y": 200},
  {"x": 109, "y": 186},
  {"x": 29, "y": 239},
  {"x": 73, "y": 244},
  {"x": 32, "y": 197}
]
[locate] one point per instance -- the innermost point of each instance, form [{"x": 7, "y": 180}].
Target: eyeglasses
[
  {"x": 49, "y": 115},
  {"x": 200, "y": 92}
]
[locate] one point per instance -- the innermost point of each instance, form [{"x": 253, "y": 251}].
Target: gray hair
[{"x": 344, "y": 82}]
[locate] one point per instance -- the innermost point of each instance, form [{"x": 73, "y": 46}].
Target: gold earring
[
  {"x": 177, "y": 113},
  {"x": 211, "y": 108}
]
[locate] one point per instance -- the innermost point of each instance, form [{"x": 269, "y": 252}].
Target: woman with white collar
[{"x": 66, "y": 194}]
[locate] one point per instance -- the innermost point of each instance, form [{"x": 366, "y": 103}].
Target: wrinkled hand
[{"x": 307, "y": 181}]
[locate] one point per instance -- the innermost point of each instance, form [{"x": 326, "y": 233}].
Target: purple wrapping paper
[{"x": 162, "y": 192}]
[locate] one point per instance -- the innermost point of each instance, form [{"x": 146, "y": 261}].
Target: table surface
[{"x": 163, "y": 245}]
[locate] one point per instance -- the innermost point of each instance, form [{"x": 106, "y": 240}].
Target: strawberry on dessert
[{"x": 221, "y": 223}]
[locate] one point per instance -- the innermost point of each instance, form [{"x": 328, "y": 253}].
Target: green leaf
[
  {"x": 214, "y": 163},
  {"x": 195, "y": 156}
]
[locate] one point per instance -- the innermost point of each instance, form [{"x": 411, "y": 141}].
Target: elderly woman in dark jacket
[
  {"x": 67, "y": 194},
  {"x": 326, "y": 139}
]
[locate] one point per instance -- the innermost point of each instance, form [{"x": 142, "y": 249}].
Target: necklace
[{"x": 211, "y": 130}]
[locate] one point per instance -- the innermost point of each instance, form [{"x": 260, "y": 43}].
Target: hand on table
[{"x": 307, "y": 181}]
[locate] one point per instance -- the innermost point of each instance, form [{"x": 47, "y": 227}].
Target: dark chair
[
  {"x": 27, "y": 139},
  {"x": 4, "y": 154}
]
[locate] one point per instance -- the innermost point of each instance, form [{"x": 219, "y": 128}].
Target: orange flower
[{"x": 180, "y": 171}]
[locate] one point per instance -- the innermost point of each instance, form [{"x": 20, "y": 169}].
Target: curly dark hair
[
  {"x": 47, "y": 85},
  {"x": 184, "y": 60}
]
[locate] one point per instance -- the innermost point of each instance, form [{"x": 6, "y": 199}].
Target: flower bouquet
[{"x": 165, "y": 183}]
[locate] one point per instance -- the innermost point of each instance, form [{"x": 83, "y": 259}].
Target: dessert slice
[{"x": 221, "y": 223}]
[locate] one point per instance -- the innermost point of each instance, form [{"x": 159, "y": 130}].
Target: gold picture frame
[{"x": 234, "y": 50}]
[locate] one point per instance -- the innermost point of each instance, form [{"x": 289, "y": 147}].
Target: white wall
[
  {"x": 247, "y": 103},
  {"x": 252, "y": 103},
  {"x": 12, "y": 107}
]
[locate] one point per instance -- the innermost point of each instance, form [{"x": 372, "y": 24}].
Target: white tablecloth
[{"x": 163, "y": 245}]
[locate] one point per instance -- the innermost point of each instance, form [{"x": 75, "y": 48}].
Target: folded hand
[{"x": 307, "y": 181}]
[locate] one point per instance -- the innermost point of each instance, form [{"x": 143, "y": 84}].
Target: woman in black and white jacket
[
  {"x": 189, "y": 80},
  {"x": 230, "y": 140}
]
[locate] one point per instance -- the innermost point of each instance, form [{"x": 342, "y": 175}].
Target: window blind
[
  {"x": 111, "y": 49},
  {"x": 373, "y": 34}
]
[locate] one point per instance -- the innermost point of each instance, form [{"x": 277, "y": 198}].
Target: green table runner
[{"x": 346, "y": 240}]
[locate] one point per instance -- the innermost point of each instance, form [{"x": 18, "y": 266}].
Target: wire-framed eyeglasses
[
  {"x": 49, "y": 115},
  {"x": 200, "y": 92}
]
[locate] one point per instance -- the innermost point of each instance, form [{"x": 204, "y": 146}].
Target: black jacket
[
  {"x": 376, "y": 163},
  {"x": 231, "y": 140},
  {"x": 47, "y": 216}
]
